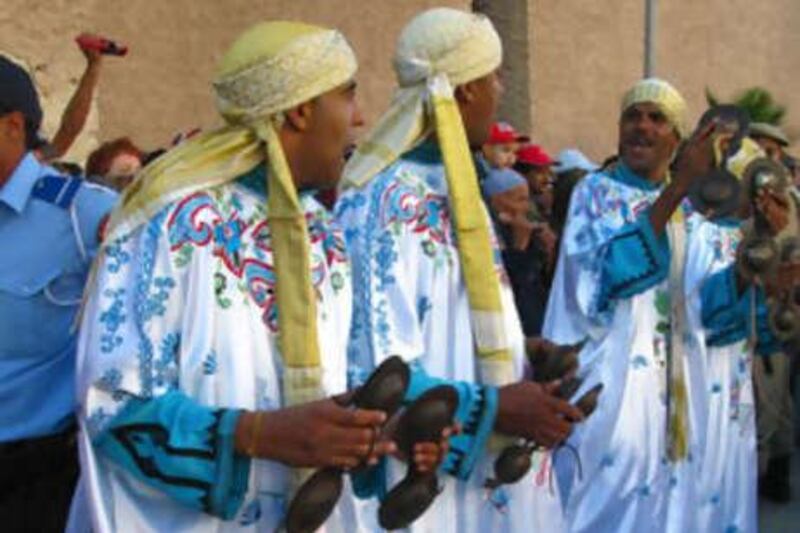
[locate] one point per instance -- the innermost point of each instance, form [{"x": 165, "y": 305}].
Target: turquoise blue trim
[
  {"x": 425, "y": 153},
  {"x": 728, "y": 222},
  {"x": 476, "y": 413},
  {"x": 370, "y": 482},
  {"x": 623, "y": 174},
  {"x": 724, "y": 313},
  {"x": 233, "y": 469},
  {"x": 634, "y": 261},
  {"x": 255, "y": 179},
  {"x": 181, "y": 448},
  {"x": 727, "y": 315}
]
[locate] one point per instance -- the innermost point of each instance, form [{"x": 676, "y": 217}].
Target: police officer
[{"x": 49, "y": 228}]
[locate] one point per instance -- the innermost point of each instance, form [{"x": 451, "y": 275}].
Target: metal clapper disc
[
  {"x": 784, "y": 320},
  {"x": 716, "y": 195},
  {"x": 730, "y": 120},
  {"x": 764, "y": 173},
  {"x": 423, "y": 421},
  {"x": 385, "y": 388},
  {"x": 549, "y": 364},
  {"x": 588, "y": 402},
  {"x": 757, "y": 257},
  {"x": 315, "y": 500}
]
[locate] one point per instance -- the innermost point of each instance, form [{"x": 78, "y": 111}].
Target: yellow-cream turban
[
  {"x": 269, "y": 69},
  {"x": 437, "y": 51},
  {"x": 663, "y": 95}
]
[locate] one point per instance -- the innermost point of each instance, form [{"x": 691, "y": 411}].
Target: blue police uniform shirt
[{"x": 48, "y": 237}]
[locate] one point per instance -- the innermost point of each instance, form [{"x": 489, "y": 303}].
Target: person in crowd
[
  {"x": 620, "y": 287},
  {"x": 49, "y": 227},
  {"x": 500, "y": 149},
  {"x": 536, "y": 166},
  {"x": 428, "y": 281},
  {"x": 115, "y": 163},
  {"x": 75, "y": 115},
  {"x": 775, "y": 406}
]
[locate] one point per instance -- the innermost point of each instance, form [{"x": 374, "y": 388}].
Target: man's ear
[
  {"x": 15, "y": 126},
  {"x": 300, "y": 117},
  {"x": 465, "y": 93}
]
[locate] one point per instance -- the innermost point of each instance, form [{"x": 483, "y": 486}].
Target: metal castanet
[
  {"x": 588, "y": 402},
  {"x": 757, "y": 257},
  {"x": 423, "y": 421},
  {"x": 515, "y": 461},
  {"x": 315, "y": 500},
  {"x": 552, "y": 362},
  {"x": 718, "y": 194}
]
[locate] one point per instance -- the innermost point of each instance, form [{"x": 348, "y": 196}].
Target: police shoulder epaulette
[{"x": 57, "y": 190}]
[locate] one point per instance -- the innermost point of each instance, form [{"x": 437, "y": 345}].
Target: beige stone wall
[
  {"x": 162, "y": 85},
  {"x": 567, "y": 61},
  {"x": 40, "y": 34},
  {"x": 512, "y": 20},
  {"x": 586, "y": 53}
]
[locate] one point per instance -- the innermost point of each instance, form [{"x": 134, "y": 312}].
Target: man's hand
[
  {"x": 77, "y": 111},
  {"x": 316, "y": 434},
  {"x": 695, "y": 159},
  {"x": 547, "y": 240},
  {"x": 93, "y": 56},
  {"x": 429, "y": 455},
  {"x": 521, "y": 230},
  {"x": 530, "y": 410},
  {"x": 774, "y": 208}
]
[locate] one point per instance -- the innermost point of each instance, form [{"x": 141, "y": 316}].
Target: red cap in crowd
[
  {"x": 504, "y": 133},
  {"x": 534, "y": 155}
]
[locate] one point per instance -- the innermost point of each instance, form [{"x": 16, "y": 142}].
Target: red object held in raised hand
[{"x": 101, "y": 44}]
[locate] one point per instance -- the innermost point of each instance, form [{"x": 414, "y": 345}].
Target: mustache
[{"x": 638, "y": 139}]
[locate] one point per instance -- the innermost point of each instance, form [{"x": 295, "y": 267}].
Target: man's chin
[{"x": 637, "y": 164}]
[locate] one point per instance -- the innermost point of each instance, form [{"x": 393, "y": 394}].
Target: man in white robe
[
  {"x": 214, "y": 326},
  {"x": 428, "y": 281},
  {"x": 623, "y": 283}
]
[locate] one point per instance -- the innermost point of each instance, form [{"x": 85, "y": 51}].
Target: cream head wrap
[
  {"x": 437, "y": 51},
  {"x": 270, "y": 69},
  {"x": 663, "y": 95}
]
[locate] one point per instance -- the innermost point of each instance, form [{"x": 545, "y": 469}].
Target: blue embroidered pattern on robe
[
  {"x": 117, "y": 256},
  {"x": 210, "y": 363},
  {"x": 112, "y": 319},
  {"x": 166, "y": 365}
]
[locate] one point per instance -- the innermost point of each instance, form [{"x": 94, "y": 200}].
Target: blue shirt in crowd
[{"x": 48, "y": 237}]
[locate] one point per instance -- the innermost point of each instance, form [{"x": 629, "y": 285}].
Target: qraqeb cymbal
[
  {"x": 757, "y": 257},
  {"x": 315, "y": 500},
  {"x": 716, "y": 195},
  {"x": 764, "y": 173},
  {"x": 423, "y": 421}
]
